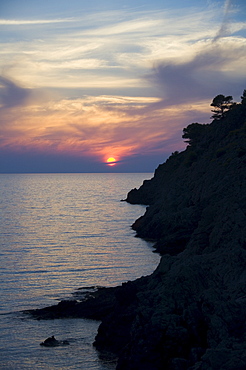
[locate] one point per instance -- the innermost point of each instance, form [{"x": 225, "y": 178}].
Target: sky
[{"x": 108, "y": 86}]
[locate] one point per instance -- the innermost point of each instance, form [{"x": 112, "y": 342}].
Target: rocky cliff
[{"x": 191, "y": 312}]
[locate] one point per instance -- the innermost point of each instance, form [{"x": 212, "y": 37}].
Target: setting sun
[{"x": 111, "y": 161}]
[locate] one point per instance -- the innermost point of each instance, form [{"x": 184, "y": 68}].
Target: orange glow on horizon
[{"x": 111, "y": 161}]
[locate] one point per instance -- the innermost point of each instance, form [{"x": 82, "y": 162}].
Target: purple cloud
[
  {"x": 200, "y": 78},
  {"x": 11, "y": 94}
]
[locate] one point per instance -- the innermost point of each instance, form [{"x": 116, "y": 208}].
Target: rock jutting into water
[
  {"x": 190, "y": 313},
  {"x": 53, "y": 342}
]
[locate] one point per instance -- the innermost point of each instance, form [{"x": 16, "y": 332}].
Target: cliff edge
[{"x": 190, "y": 313}]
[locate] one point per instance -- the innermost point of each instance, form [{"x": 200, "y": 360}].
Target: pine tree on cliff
[{"x": 222, "y": 104}]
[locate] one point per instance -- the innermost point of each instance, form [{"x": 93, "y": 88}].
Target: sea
[{"x": 61, "y": 234}]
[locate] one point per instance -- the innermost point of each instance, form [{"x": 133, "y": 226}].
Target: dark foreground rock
[
  {"x": 53, "y": 342},
  {"x": 94, "y": 305},
  {"x": 191, "y": 312}
]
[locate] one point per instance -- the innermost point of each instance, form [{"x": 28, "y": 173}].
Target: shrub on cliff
[
  {"x": 228, "y": 116},
  {"x": 194, "y": 133}
]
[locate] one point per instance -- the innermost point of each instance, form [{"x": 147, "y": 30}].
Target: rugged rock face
[
  {"x": 191, "y": 312},
  {"x": 200, "y": 191}
]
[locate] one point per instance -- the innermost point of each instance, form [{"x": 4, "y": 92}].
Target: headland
[{"x": 190, "y": 313}]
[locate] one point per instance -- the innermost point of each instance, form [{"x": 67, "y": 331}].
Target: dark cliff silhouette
[{"x": 190, "y": 313}]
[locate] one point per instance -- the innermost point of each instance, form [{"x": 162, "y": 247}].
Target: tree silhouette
[
  {"x": 222, "y": 104},
  {"x": 243, "y": 97},
  {"x": 193, "y": 132}
]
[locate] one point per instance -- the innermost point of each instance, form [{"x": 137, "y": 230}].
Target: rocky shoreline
[{"x": 190, "y": 313}]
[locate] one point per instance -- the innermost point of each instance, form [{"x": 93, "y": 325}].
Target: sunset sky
[{"x": 85, "y": 81}]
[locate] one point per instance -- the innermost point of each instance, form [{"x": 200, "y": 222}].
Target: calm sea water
[{"x": 61, "y": 232}]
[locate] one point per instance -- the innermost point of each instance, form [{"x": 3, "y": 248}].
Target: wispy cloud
[
  {"x": 122, "y": 85},
  {"x": 109, "y": 41},
  {"x": 224, "y": 28},
  {"x": 212, "y": 69},
  {"x": 21, "y": 22}
]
